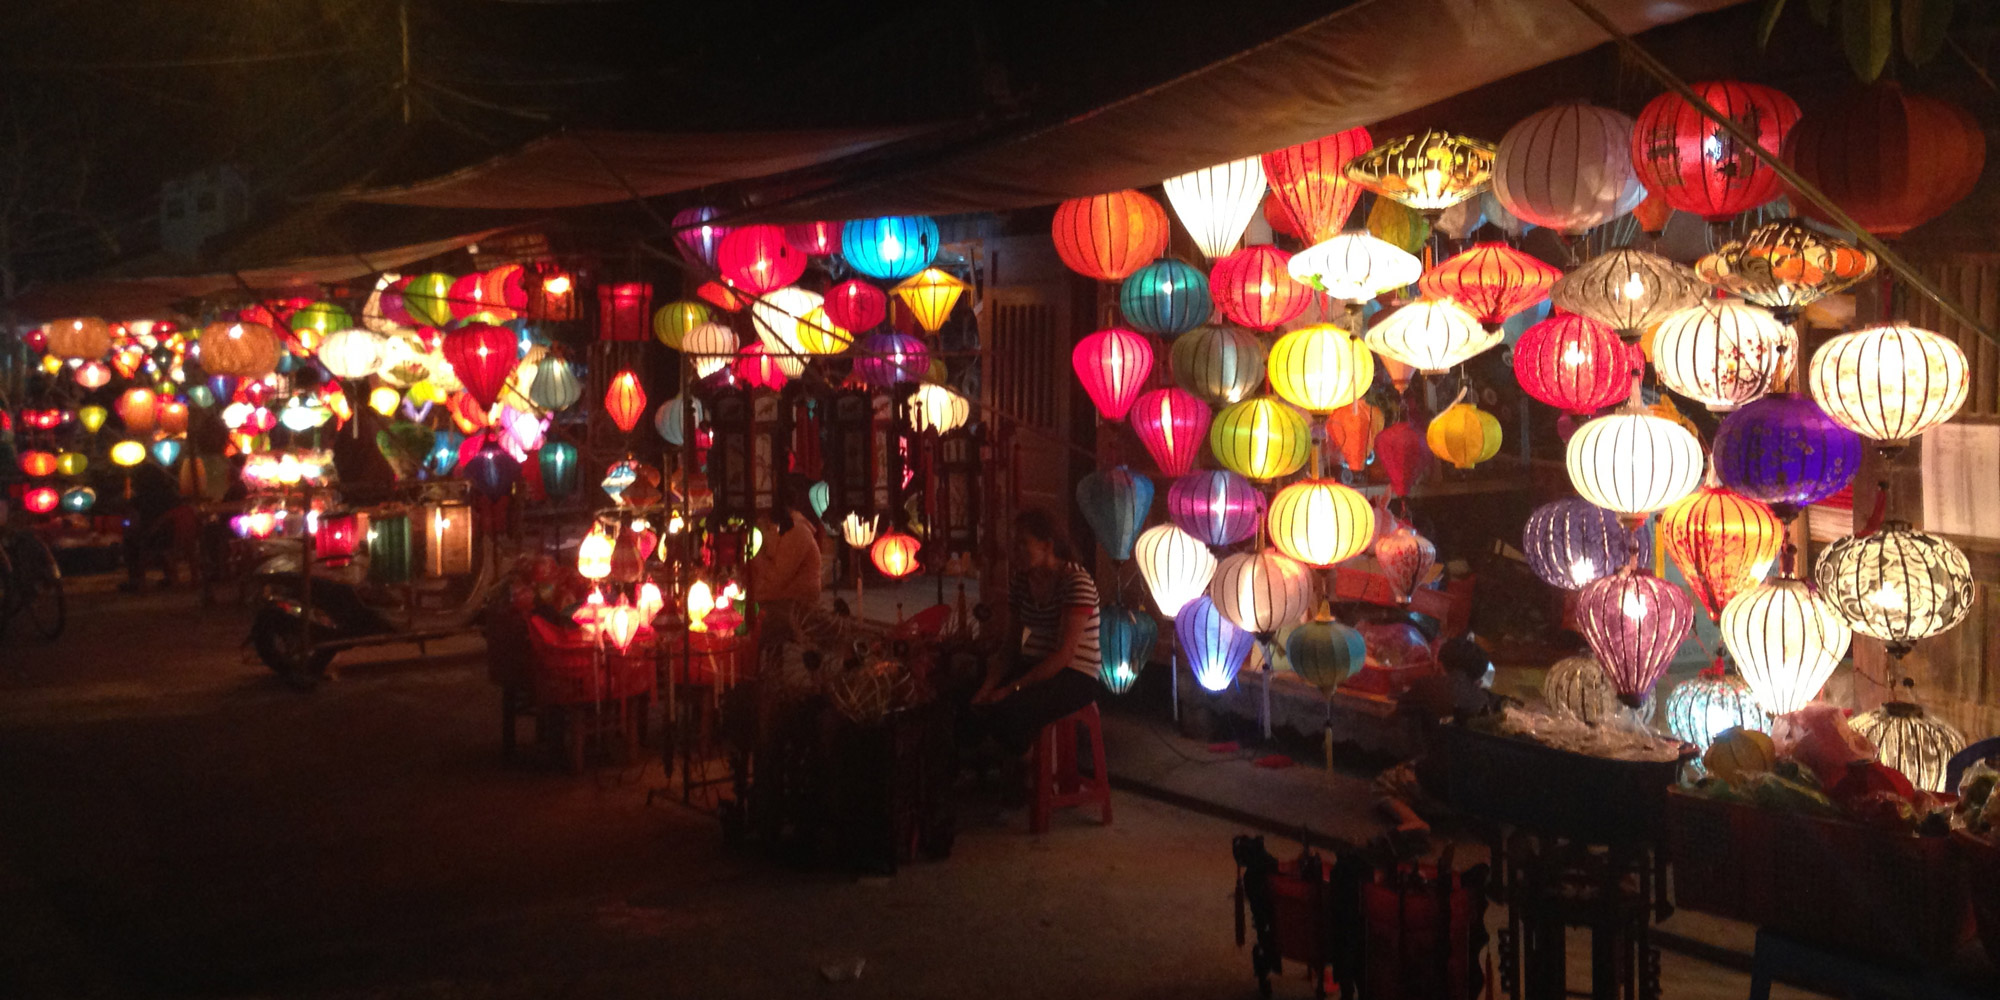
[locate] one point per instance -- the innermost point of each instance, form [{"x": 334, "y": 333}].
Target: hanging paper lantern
[
  {"x": 709, "y": 347},
  {"x": 697, "y": 236},
  {"x": 1171, "y": 423},
  {"x": 1406, "y": 559},
  {"x": 930, "y": 294},
  {"x": 624, "y": 311},
  {"x": 1215, "y": 203},
  {"x": 466, "y": 298},
  {"x": 313, "y": 323},
  {"x": 895, "y": 554},
  {"x": 1628, "y": 290},
  {"x": 72, "y": 463},
  {"x": 560, "y": 478},
  {"x": 1786, "y": 639},
  {"x": 1109, "y": 236},
  {"x": 1404, "y": 455},
  {"x": 492, "y": 471},
  {"x": 138, "y": 407},
  {"x": 1278, "y": 217},
  {"x": 1115, "y": 503},
  {"x": 1113, "y": 365},
  {"x": 937, "y": 409},
  {"x": 1698, "y": 167},
  {"x": 1568, "y": 168},
  {"x": 1572, "y": 542},
  {"x": 814, "y": 239},
  {"x": 92, "y": 417},
  {"x": 1324, "y": 652},
  {"x": 820, "y": 496},
  {"x": 758, "y": 259},
  {"x": 1632, "y": 462},
  {"x": 1351, "y": 431},
  {"x": 351, "y": 354},
  {"x": 1310, "y": 181},
  {"x": 555, "y": 386},
  {"x": 1220, "y": 364},
  {"x": 1493, "y": 281},
  {"x": 78, "y": 500},
  {"x": 1215, "y": 647},
  {"x": 820, "y": 335},
  {"x": 1892, "y": 160},
  {"x": 41, "y": 499},
  {"x": 128, "y": 453},
  {"x": 1577, "y": 687},
  {"x": 82, "y": 338},
  {"x": 1890, "y": 383},
  {"x": 1167, "y": 297},
  {"x": 1898, "y": 585},
  {"x": 1261, "y": 592},
  {"x": 671, "y": 322},
  {"x": 1262, "y": 438},
  {"x": 1215, "y": 506},
  {"x": 721, "y": 296},
  {"x": 1355, "y": 267},
  {"x": 1399, "y": 225},
  {"x": 1915, "y": 744},
  {"x": 857, "y": 532},
  {"x": 1320, "y": 368},
  {"x": 1125, "y": 638},
  {"x": 890, "y": 248},
  {"x": 38, "y": 463},
  {"x": 427, "y": 299},
  {"x": 1574, "y": 364},
  {"x": 482, "y": 356},
  {"x": 1175, "y": 565},
  {"x": 756, "y": 368},
  {"x": 1704, "y": 707},
  {"x": 1464, "y": 435},
  {"x": 1634, "y": 622},
  {"x": 625, "y": 400},
  {"x": 1785, "y": 265},
  {"x": 890, "y": 359},
  {"x": 1253, "y": 287},
  {"x": 1432, "y": 336},
  {"x": 243, "y": 350},
  {"x": 1320, "y": 522},
  {"x": 1430, "y": 171},
  {"x": 776, "y": 318},
  {"x": 1784, "y": 450},
  {"x": 90, "y": 375},
  {"x": 667, "y": 420},
  {"x": 1723, "y": 353},
  {"x": 1723, "y": 543},
  {"x": 856, "y": 305}
]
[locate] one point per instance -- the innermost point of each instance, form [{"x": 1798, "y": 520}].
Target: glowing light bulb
[
  {"x": 1574, "y": 355},
  {"x": 890, "y": 248},
  {"x": 1582, "y": 570},
  {"x": 1635, "y": 606},
  {"x": 1635, "y": 287},
  {"x": 558, "y": 285}
]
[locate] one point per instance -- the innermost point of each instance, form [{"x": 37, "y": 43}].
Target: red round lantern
[
  {"x": 1310, "y": 181},
  {"x": 757, "y": 368},
  {"x": 482, "y": 356},
  {"x": 1890, "y": 159},
  {"x": 1109, "y": 236},
  {"x": 1697, "y": 166},
  {"x": 40, "y": 500},
  {"x": 625, "y": 401},
  {"x": 1172, "y": 424},
  {"x": 466, "y": 296},
  {"x": 1113, "y": 365},
  {"x": 1279, "y": 218},
  {"x": 1405, "y": 455},
  {"x": 856, "y": 305},
  {"x": 1574, "y": 364},
  {"x": 1254, "y": 288},
  {"x": 814, "y": 239},
  {"x": 1492, "y": 281},
  {"x": 895, "y": 554},
  {"x": 758, "y": 259}
]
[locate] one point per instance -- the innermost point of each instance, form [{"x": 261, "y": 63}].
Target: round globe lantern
[
  {"x": 1889, "y": 383},
  {"x": 1573, "y": 363},
  {"x": 1898, "y": 585},
  {"x": 1109, "y": 236},
  {"x": 1167, "y": 297},
  {"x": 1785, "y": 451},
  {"x": 1786, "y": 639},
  {"x": 1253, "y": 287},
  {"x": 1261, "y": 438},
  {"x": 1215, "y": 506},
  {"x": 1320, "y": 522},
  {"x": 1681, "y": 156},
  {"x": 1568, "y": 168},
  {"x": 1571, "y": 542}
]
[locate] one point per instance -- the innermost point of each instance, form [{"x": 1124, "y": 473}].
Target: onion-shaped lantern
[
  {"x": 890, "y": 359},
  {"x": 1634, "y": 622},
  {"x": 1633, "y": 462},
  {"x": 1355, "y": 267},
  {"x": 1703, "y": 707},
  {"x": 776, "y": 316},
  {"x": 1785, "y": 265},
  {"x": 1215, "y": 506},
  {"x": 625, "y": 400},
  {"x": 1175, "y": 565},
  {"x": 697, "y": 235},
  {"x": 1431, "y": 335},
  {"x": 1253, "y": 287},
  {"x": 889, "y": 248},
  {"x": 1578, "y": 687},
  {"x": 1113, "y": 365},
  {"x": 482, "y": 356},
  {"x": 1571, "y": 542},
  {"x": 1115, "y": 503},
  {"x": 492, "y": 471},
  {"x": 1320, "y": 368},
  {"x": 1722, "y": 541},
  {"x": 930, "y": 295},
  {"x": 857, "y": 533},
  {"x": 1109, "y": 236},
  {"x": 1320, "y": 522},
  {"x": 1215, "y": 204},
  {"x": 1628, "y": 290},
  {"x": 1261, "y": 592},
  {"x": 1406, "y": 559},
  {"x": 1262, "y": 438},
  {"x": 1430, "y": 171},
  {"x": 1784, "y": 450},
  {"x": 1172, "y": 424},
  {"x": 1310, "y": 181},
  {"x": 1215, "y": 647},
  {"x": 1898, "y": 585},
  {"x": 1324, "y": 652},
  {"x": 814, "y": 239},
  {"x": 1464, "y": 435},
  {"x": 1890, "y": 383},
  {"x": 1167, "y": 297},
  {"x": 671, "y": 322},
  {"x": 709, "y": 347},
  {"x": 1892, "y": 160},
  {"x": 895, "y": 554},
  {"x": 937, "y": 409},
  {"x": 351, "y": 354},
  {"x": 1568, "y": 168},
  {"x": 758, "y": 259},
  {"x": 1786, "y": 639},
  {"x": 1698, "y": 167},
  {"x": 1573, "y": 363},
  {"x": 1126, "y": 637},
  {"x": 1220, "y": 364},
  {"x": 1912, "y": 742},
  {"x": 1492, "y": 281},
  {"x": 1723, "y": 353},
  {"x": 856, "y": 305}
]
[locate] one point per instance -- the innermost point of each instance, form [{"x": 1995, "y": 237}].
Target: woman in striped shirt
[{"x": 1051, "y": 634}]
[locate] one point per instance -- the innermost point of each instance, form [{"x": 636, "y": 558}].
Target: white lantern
[
  {"x": 1176, "y": 565},
  {"x": 1261, "y": 592},
  {"x": 1633, "y": 462},
  {"x": 1355, "y": 267},
  {"x": 1216, "y": 203},
  {"x": 1578, "y": 687},
  {"x": 858, "y": 533},
  {"x": 711, "y": 346},
  {"x": 1898, "y": 585},
  {"x": 1723, "y": 353},
  {"x": 1568, "y": 168},
  {"x": 351, "y": 354},
  {"x": 1431, "y": 335},
  {"x": 1628, "y": 290},
  {"x": 1786, "y": 639},
  {"x": 1912, "y": 742},
  {"x": 1890, "y": 383},
  {"x": 936, "y": 408},
  {"x": 776, "y": 316}
]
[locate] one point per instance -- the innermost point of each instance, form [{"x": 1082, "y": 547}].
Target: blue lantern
[
  {"x": 1126, "y": 638},
  {"x": 1216, "y": 505},
  {"x": 559, "y": 469},
  {"x": 526, "y": 338},
  {"x": 223, "y": 386},
  {"x": 78, "y": 500},
  {"x": 444, "y": 453},
  {"x": 1572, "y": 542},
  {"x": 1215, "y": 648},
  {"x": 667, "y": 420},
  {"x": 287, "y": 362},
  {"x": 623, "y": 473},
  {"x": 820, "y": 495},
  {"x": 1784, "y": 450},
  {"x": 1168, "y": 297},
  {"x": 493, "y": 471},
  {"x": 554, "y": 386},
  {"x": 890, "y": 248},
  {"x": 1325, "y": 652},
  {"x": 1115, "y": 502},
  {"x": 167, "y": 451}
]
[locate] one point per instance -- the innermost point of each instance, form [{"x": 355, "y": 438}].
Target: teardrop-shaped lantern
[
  {"x": 482, "y": 356},
  {"x": 1351, "y": 430},
  {"x": 1310, "y": 180},
  {"x": 1220, "y": 364},
  {"x": 1172, "y": 424},
  {"x": 1113, "y": 365},
  {"x": 1216, "y": 506},
  {"x": 1723, "y": 542},
  {"x": 1215, "y": 204},
  {"x": 1167, "y": 297},
  {"x": 1115, "y": 503},
  {"x": 555, "y": 386},
  {"x": 1723, "y": 353},
  {"x": 1126, "y": 637},
  {"x": 1890, "y": 383},
  {"x": 1215, "y": 647},
  {"x": 1493, "y": 281},
  {"x": 1254, "y": 287},
  {"x": 1571, "y": 542},
  {"x": 1634, "y": 622},
  {"x": 492, "y": 471},
  {"x": 1784, "y": 450},
  {"x": 1573, "y": 363},
  {"x": 560, "y": 470},
  {"x": 1320, "y": 368},
  {"x": 1261, "y": 592},
  {"x": 1628, "y": 290},
  {"x": 1320, "y": 522},
  {"x": 1175, "y": 565},
  {"x": 1568, "y": 168},
  {"x": 1786, "y": 639},
  {"x": 1431, "y": 335},
  {"x": 1262, "y": 438}
]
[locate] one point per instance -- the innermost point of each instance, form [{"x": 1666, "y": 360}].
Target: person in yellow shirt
[{"x": 785, "y": 573}]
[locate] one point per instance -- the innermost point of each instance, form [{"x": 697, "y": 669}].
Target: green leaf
[
  {"x": 1769, "y": 20},
  {"x": 1926, "y": 27},
  {"x": 1821, "y": 10},
  {"x": 1867, "y": 32}
]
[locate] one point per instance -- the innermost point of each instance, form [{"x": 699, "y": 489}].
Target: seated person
[
  {"x": 1417, "y": 788},
  {"x": 785, "y": 573}
]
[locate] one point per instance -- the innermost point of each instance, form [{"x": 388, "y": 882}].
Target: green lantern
[
  {"x": 389, "y": 549},
  {"x": 672, "y": 321},
  {"x": 427, "y": 298},
  {"x": 321, "y": 317}
]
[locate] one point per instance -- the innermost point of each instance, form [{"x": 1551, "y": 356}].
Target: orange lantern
[
  {"x": 38, "y": 463},
  {"x": 721, "y": 296},
  {"x": 173, "y": 417},
  {"x": 1352, "y": 429},
  {"x": 139, "y": 408},
  {"x": 467, "y": 413},
  {"x": 1492, "y": 281},
  {"x": 625, "y": 401},
  {"x": 895, "y": 554},
  {"x": 1310, "y": 183},
  {"x": 550, "y": 295},
  {"x": 1723, "y": 542},
  {"x": 1111, "y": 235}
]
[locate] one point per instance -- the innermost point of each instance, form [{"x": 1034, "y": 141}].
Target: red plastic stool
[{"x": 1058, "y": 784}]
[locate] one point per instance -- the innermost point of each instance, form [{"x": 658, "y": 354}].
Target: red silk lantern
[
  {"x": 1172, "y": 424},
  {"x": 721, "y": 296},
  {"x": 856, "y": 305},
  {"x": 40, "y": 500},
  {"x": 625, "y": 401},
  {"x": 1652, "y": 214},
  {"x": 482, "y": 356},
  {"x": 1310, "y": 181},
  {"x": 1279, "y": 218},
  {"x": 758, "y": 259},
  {"x": 466, "y": 296},
  {"x": 1109, "y": 236},
  {"x": 1405, "y": 455},
  {"x": 814, "y": 239},
  {"x": 1892, "y": 160},
  {"x": 1723, "y": 542},
  {"x": 895, "y": 554},
  {"x": 758, "y": 368},
  {"x": 1254, "y": 287},
  {"x": 1492, "y": 281},
  {"x": 1697, "y": 166},
  {"x": 1113, "y": 365},
  {"x": 624, "y": 311},
  {"x": 1574, "y": 364}
]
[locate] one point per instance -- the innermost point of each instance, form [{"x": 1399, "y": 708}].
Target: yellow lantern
[
  {"x": 930, "y": 294},
  {"x": 1320, "y": 522},
  {"x": 1430, "y": 171},
  {"x": 1320, "y": 368},
  {"x": 776, "y": 315},
  {"x": 51, "y": 364},
  {"x": 936, "y": 408},
  {"x": 384, "y": 400},
  {"x": 821, "y": 335},
  {"x": 1262, "y": 438},
  {"x": 92, "y": 417},
  {"x": 128, "y": 453},
  {"x": 593, "y": 556},
  {"x": 1464, "y": 435},
  {"x": 71, "y": 463},
  {"x": 700, "y": 603},
  {"x": 858, "y": 533}
]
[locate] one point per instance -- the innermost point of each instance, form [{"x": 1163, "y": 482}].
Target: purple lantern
[
  {"x": 1215, "y": 648},
  {"x": 1572, "y": 542},
  {"x": 1634, "y": 622},
  {"x": 492, "y": 470},
  {"x": 1216, "y": 506},
  {"x": 1784, "y": 450},
  {"x": 699, "y": 239},
  {"x": 889, "y": 358}
]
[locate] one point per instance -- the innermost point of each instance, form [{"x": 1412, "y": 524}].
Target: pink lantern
[
  {"x": 759, "y": 369},
  {"x": 856, "y": 305},
  {"x": 699, "y": 238},
  {"x": 1171, "y": 423},
  {"x": 1113, "y": 365},
  {"x": 1634, "y": 622},
  {"x": 1254, "y": 287},
  {"x": 1574, "y": 364},
  {"x": 1406, "y": 559}
]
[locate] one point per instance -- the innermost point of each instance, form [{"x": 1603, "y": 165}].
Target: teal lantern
[
  {"x": 889, "y": 248},
  {"x": 200, "y": 395},
  {"x": 1115, "y": 503},
  {"x": 559, "y": 470},
  {"x": 389, "y": 549},
  {"x": 1126, "y": 638},
  {"x": 443, "y": 458},
  {"x": 667, "y": 420},
  {"x": 1167, "y": 297},
  {"x": 1325, "y": 652},
  {"x": 554, "y": 386},
  {"x": 167, "y": 451},
  {"x": 78, "y": 500},
  {"x": 820, "y": 495}
]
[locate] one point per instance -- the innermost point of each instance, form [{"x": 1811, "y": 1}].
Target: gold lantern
[
  {"x": 930, "y": 294},
  {"x": 1785, "y": 265},
  {"x": 1320, "y": 522},
  {"x": 1430, "y": 171},
  {"x": 1464, "y": 435},
  {"x": 80, "y": 337},
  {"x": 245, "y": 350},
  {"x": 1890, "y": 383},
  {"x": 1320, "y": 368}
]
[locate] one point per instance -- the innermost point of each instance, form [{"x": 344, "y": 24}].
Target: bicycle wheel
[{"x": 42, "y": 587}]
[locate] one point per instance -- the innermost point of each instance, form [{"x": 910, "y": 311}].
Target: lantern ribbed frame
[
  {"x": 1892, "y": 160},
  {"x": 1253, "y": 287},
  {"x": 667, "y": 420},
  {"x": 1634, "y": 622},
  {"x": 1430, "y": 171},
  {"x": 351, "y": 354},
  {"x": 1125, "y": 637},
  {"x": 889, "y": 359},
  {"x": 1785, "y": 265},
  {"x": 1216, "y": 506},
  {"x": 1172, "y": 424},
  {"x": 1320, "y": 522},
  {"x": 820, "y": 335},
  {"x": 1261, "y": 592},
  {"x": 1723, "y": 353},
  {"x": 939, "y": 409},
  {"x": 1568, "y": 168},
  {"x": 1175, "y": 565},
  {"x": 482, "y": 356},
  {"x": 1784, "y": 450},
  {"x": 889, "y": 248},
  {"x": 1431, "y": 335},
  {"x": 1628, "y": 290},
  {"x": 856, "y": 305},
  {"x": 1723, "y": 542},
  {"x": 1355, "y": 267},
  {"x": 1215, "y": 204},
  {"x": 241, "y": 350},
  {"x": 1786, "y": 639},
  {"x": 1571, "y": 542},
  {"x": 1219, "y": 364},
  {"x": 1705, "y": 706},
  {"x": 1318, "y": 368},
  {"x": 1898, "y": 585},
  {"x": 1573, "y": 363},
  {"x": 1684, "y": 158},
  {"x": 1113, "y": 365},
  {"x": 930, "y": 295},
  {"x": 758, "y": 259},
  {"x": 1491, "y": 280},
  {"x": 671, "y": 322},
  {"x": 1109, "y": 236},
  {"x": 1216, "y": 649},
  {"x": 776, "y": 314},
  {"x": 625, "y": 400},
  {"x": 1261, "y": 438},
  {"x": 1324, "y": 652},
  {"x": 1310, "y": 181},
  {"x": 697, "y": 236},
  {"x": 1889, "y": 383},
  {"x": 709, "y": 347},
  {"x": 1464, "y": 435},
  {"x": 1115, "y": 503},
  {"x": 1167, "y": 297},
  {"x": 858, "y": 533},
  {"x": 1911, "y": 741},
  {"x": 1633, "y": 462},
  {"x": 1579, "y": 687}
]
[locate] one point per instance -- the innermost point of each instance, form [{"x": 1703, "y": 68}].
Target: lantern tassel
[
  {"x": 1270, "y": 671},
  {"x": 1880, "y": 511}
]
